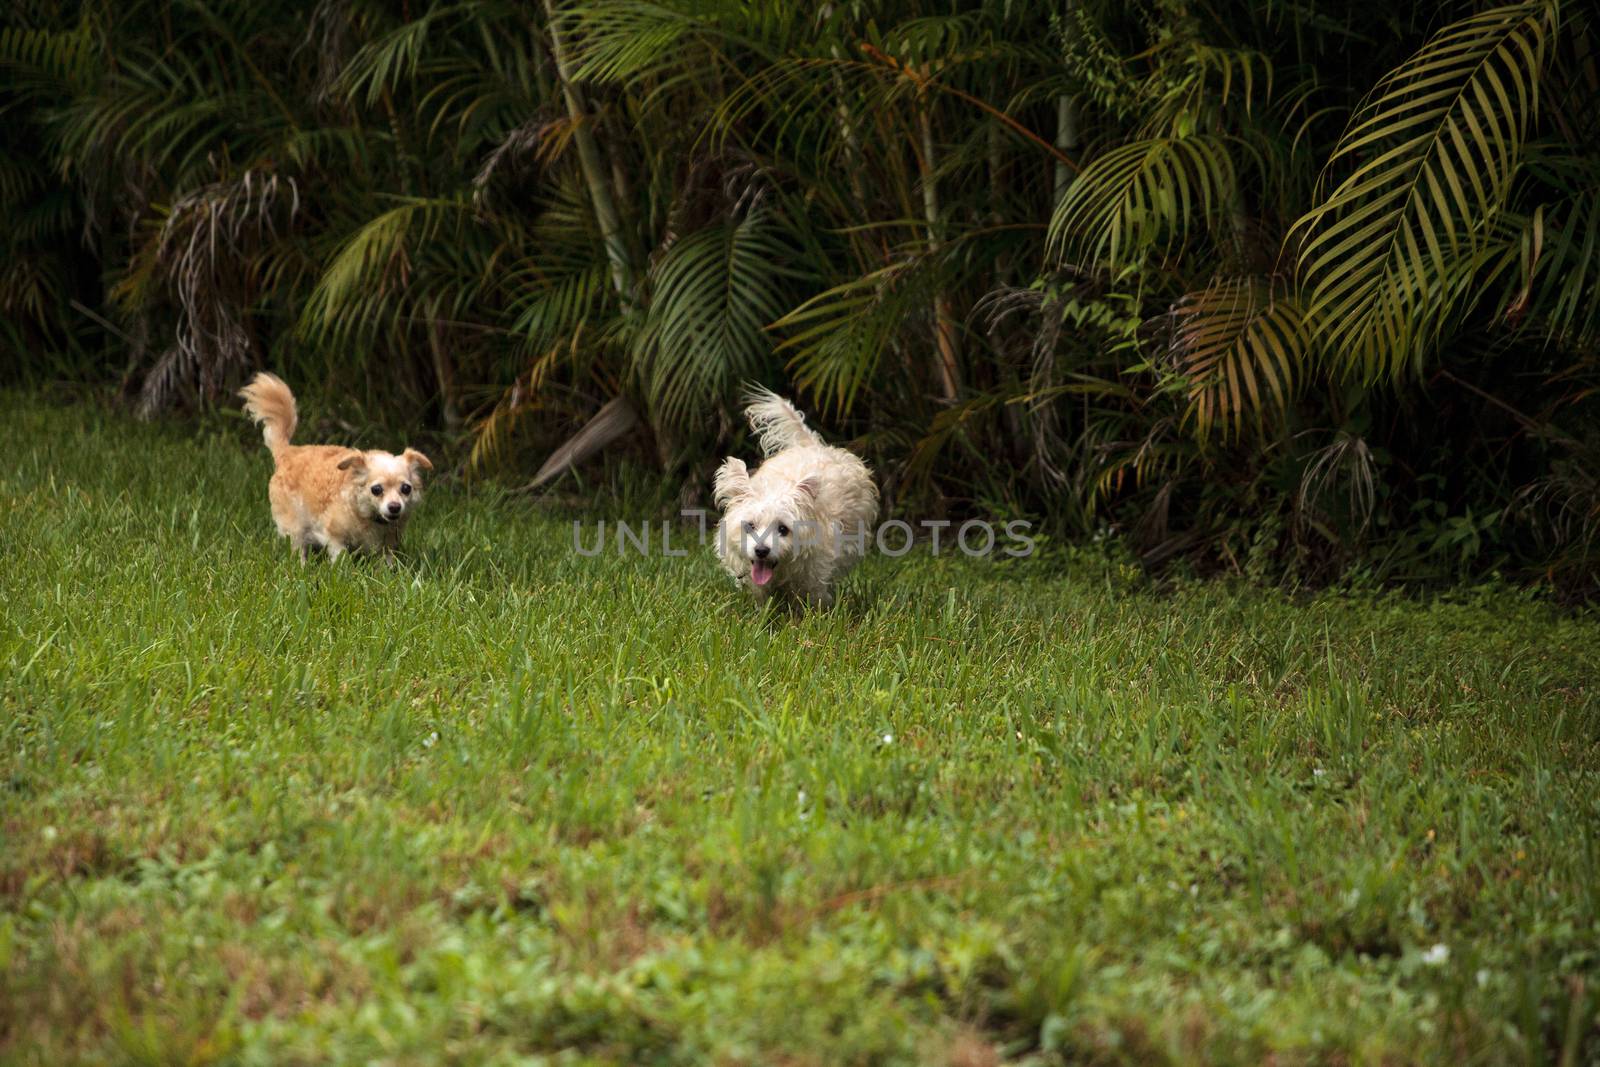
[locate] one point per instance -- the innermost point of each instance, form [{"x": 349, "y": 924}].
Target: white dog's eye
[
  {"x": 783, "y": 531},
  {"x": 377, "y": 490},
  {"x": 750, "y": 527}
]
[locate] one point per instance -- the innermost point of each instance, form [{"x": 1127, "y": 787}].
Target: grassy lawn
[{"x": 506, "y": 804}]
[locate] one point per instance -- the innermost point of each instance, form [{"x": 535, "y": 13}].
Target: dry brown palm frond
[
  {"x": 1243, "y": 346},
  {"x": 1347, "y": 458},
  {"x": 1032, "y": 303},
  {"x": 204, "y": 257},
  {"x": 615, "y": 420},
  {"x": 1563, "y": 507},
  {"x": 515, "y": 162}
]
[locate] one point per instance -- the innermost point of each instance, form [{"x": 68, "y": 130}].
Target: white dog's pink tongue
[{"x": 760, "y": 571}]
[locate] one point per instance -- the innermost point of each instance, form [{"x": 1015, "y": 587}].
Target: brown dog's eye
[
  {"x": 377, "y": 490},
  {"x": 405, "y": 488},
  {"x": 783, "y": 531}
]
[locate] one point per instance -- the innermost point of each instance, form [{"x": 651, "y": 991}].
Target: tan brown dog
[{"x": 326, "y": 496}]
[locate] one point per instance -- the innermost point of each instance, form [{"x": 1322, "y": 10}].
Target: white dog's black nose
[
  {"x": 394, "y": 507},
  {"x": 762, "y": 551}
]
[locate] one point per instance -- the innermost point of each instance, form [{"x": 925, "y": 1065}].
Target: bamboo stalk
[
  {"x": 592, "y": 162},
  {"x": 847, "y": 129},
  {"x": 949, "y": 344},
  {"x": 1066, "y": 121}
]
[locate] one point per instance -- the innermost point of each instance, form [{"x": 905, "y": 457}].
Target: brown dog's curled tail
[{"x": 268, "y": 401}]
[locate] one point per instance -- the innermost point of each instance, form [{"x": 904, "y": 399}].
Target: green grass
[{"x": 505, "y": 804}]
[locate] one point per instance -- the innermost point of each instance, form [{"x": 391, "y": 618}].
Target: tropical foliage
[{"x": 1301, "y": 288}]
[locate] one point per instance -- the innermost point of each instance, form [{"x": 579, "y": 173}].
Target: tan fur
[{"x": 323, "y": 495}]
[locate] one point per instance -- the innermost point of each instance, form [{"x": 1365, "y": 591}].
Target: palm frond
[
  {"x": 1434, "y": 151},
  {"x": 354, "y": 291},
  {"x": 1193, "y": 80},
  {"x": 1551, "y": 259},
  {"x": 552, "y": 305},
  {"x": 626, "y": 43},
  {"x": 380, "y": 65},
  {"x": 714, "y": 293},
  {"x": 1243, "y": 347},
  {"x": 37, "y": 60},
  {"x": 838, "y": 338},
  {"x": 526, "y": 397},
  {"x": 1142, "y": 196}
]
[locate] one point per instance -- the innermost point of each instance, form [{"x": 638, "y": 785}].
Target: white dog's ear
[
  {"x": 809, "y": 485},
  {"x": 732, "y": 482}
]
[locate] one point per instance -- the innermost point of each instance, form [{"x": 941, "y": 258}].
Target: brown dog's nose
[{"x": 394, "y": 507}]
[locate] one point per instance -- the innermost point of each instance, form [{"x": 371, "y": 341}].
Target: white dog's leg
[
  {"x": 818, "y": 598},
  {"x": 810, "y": 581}
]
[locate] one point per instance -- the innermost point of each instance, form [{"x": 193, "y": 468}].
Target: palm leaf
[
  {"x": 1243, "y": 347},
  {"x": 1550, "y": 259},
  {"x": 614, "y": 421},
  {"x": 1141, "y": 196},
  {"x": 44, "y": 60},
  {"x": 556, "y": 304},
  {"x": 383, "y": 63},
  {"x": 356, "y": 290},
  {"x": 838, "y": 338},
  {"x": 622, "y": 43},
  {"x": 1385, "y": 256},
  {"x": 1566, "y": 295},
  {"x": 714, "y": 293}
]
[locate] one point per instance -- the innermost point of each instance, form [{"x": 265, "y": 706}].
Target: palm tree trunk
[
  {"x": 592, "y": 162},
  {"x": 949, "y": 344},
  {"x": 619, "y": 414},
  {"x": 847, "y": 130},
  {"x": 1066, "y": 140},
  {"x": 1066, "y": 120}
]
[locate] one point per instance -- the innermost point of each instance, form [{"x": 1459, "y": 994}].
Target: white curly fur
[{"x": 809, "y": 505}]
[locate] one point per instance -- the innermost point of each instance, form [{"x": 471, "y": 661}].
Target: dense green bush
[{"x": 1292, "y": 289}]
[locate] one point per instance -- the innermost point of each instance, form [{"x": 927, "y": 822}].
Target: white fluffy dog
[{"x": 803, "y": 518}]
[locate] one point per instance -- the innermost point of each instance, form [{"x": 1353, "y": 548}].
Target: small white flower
[
  {"x": 1318, "y": 772},
  {"x": 48, "y": 833},
  {"x": 1483, "y": 978},
  {"x": 888, "y": 739},
  {"x": 800, "y": 798},
  {"x": 428, "y": 742},
  {"x": 1436, "y": 956}
]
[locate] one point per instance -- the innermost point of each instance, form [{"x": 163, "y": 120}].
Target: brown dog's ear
[
  {"x": 356, "y": 462},
  {"x": 417, "y": 460},
  {"x": 731, "y": 482}
]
